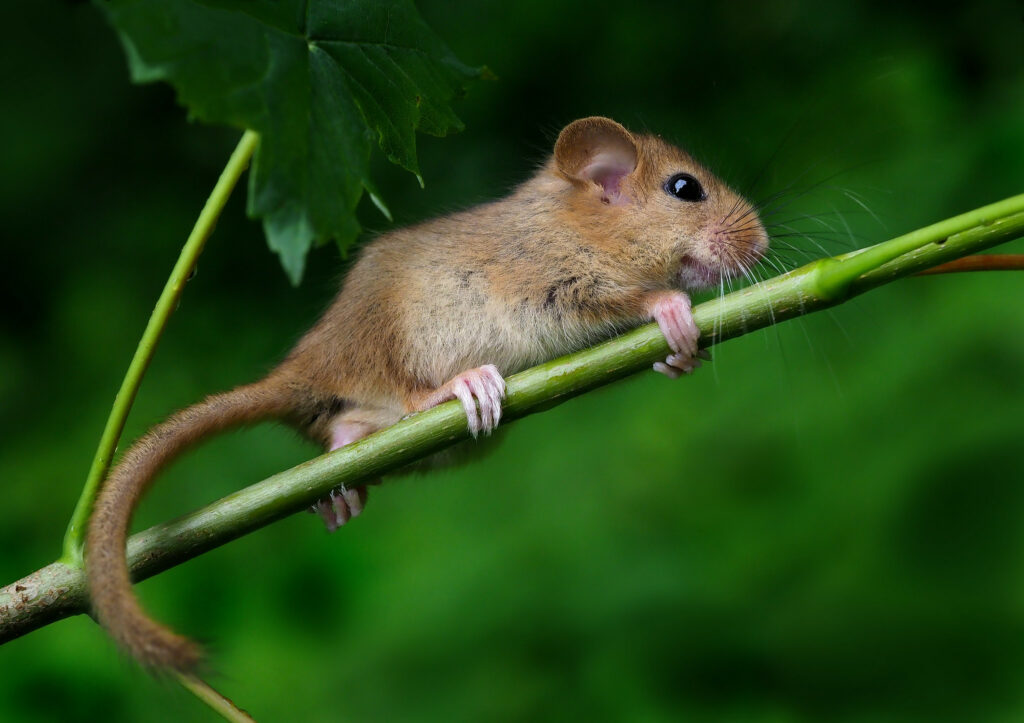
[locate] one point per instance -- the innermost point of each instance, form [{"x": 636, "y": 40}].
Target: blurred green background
[{"x": 825, "y": 524}]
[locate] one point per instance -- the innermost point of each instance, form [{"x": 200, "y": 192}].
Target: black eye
[{"x": 685, "y": 187}]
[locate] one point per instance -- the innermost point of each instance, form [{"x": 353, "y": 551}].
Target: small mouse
[{"x": 611, "y": 232}]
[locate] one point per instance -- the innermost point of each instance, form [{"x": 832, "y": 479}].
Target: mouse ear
[{"x": 599, "y": 150}]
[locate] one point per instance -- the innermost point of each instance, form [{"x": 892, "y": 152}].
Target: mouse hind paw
[
  {"x": 344, "y": 503},
  {"x": 340, "y": 506}
]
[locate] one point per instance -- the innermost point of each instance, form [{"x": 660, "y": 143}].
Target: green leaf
[{"x": 319, "y": 80}]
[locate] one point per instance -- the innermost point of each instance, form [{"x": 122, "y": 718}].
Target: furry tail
[{"x": 114, "y": 603}]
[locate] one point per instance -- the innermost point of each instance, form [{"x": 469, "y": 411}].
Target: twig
[
  {"x": 984, "y": 262},
  {"x": 58, "y": 590}
]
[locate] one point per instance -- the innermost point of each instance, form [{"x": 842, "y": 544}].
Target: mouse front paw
[
  {"x": 480, "y": 391},
  {"x": 673, "y": 312},
  {"x": 675, "y": 365}
]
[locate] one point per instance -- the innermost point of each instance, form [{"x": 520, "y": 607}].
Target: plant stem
[
  {"x": 74, "y": 538},
  {"x": 222, "y": 705},
  {"x": 59, "y": 590},
  {"x": 837, "y": 278}
]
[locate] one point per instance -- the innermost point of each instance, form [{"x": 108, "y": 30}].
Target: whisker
[
  {"x": 845, "y": 224},
  {"x": 800, "y": 193},
  {"x": 771, "y": 307},
  {"x": 853, "y": 197},
  {"x": 809, "y": 238},
  {"x": 718, "y": 323}
]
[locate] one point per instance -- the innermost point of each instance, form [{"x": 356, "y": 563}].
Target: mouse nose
[{"x": 740, "y": 244}]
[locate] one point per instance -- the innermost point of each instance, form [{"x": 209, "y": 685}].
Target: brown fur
[
  {"x": 558, "y": 265},
  {"x": 116, "y": 608}
]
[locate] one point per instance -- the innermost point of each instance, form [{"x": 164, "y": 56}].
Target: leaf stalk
[{"x": 74, "y": 537}]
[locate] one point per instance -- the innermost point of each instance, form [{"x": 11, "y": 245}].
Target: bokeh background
[{"x": 827, "y": 523}]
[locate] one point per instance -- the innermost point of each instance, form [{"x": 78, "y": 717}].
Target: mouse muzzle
[{"x": 730, "y": 248}]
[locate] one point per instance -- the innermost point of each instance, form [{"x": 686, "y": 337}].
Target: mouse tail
[{"x": 114, "y": 603}]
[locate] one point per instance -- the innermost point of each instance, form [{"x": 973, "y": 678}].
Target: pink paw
[
  {"x": 480, "y": 391},
  {"x": 675, "y": 365},
  {"x": 673, "y": 313},
  {"x": 341, "y": 505}
]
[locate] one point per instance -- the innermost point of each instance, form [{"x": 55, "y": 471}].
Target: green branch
[
  {"x": 219, "y": 704},
  {"x": 74, "y": 538},
  {"x": 59, "y": 590}
]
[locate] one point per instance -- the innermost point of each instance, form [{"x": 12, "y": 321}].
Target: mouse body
[{"x": 612, "y": 231}]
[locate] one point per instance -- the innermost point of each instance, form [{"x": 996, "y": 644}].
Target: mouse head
[{"x": 649, "y": 193}]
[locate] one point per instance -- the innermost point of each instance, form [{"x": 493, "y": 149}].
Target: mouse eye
[{"x": 685, "y": 187}]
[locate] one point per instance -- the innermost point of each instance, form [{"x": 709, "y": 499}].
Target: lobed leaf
[{"x": 319, "y": 80}]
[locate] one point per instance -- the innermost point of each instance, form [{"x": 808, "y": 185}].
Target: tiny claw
[
  {"x": 704, "y": 354},
  {"x": 495, "y": 386},
  {"x": 462, "y": 392},
  {"x": 481, "y": 391}
]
